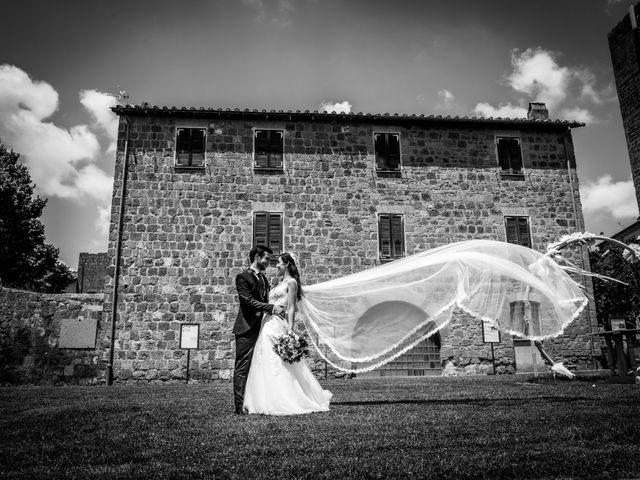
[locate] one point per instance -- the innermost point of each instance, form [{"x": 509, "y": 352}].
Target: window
[
  {"x": 190, "y": 147},
  {"x": 267, "y": 230},
  {"x": 518, "y": 231},
  {"x": 268, "y": 149},
  {"x": 510, "y": 155},
  {"x": 391, "y": 236},
  {"x": 387, "y": 147}
]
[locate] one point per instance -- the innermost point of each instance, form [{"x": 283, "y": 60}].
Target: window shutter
[
  {"x": 515, "y": 156},
  {"x": 275, "y": 233},
  {"x": 523, "y": 232},
  {"x": 512, "y": 230},
  {"x": 197, "y": 147},
  {"x": 397, "y": 236},
  {"x": 381, "y": 151},
  {"x": 275, "y": 149},
  {"x": 393, "y": 151},
  {"x": 384, "y": 235},
  {"x": 503, "y": 153},
  {"x": 261, "y": 148},
  {"x": 260, "y": 229},
  {"x": 183, "y": 145}
]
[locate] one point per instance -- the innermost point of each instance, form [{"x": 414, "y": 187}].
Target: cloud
[
  {"x": 447, "y": 100},
  {"x": 605, "y": 196},
  {"x": 504, "y": 110},
  {"x": 339, "y": 107},
  {"x": 61, "y": 161},
  {"x": 578, "y": 114},
  {"x": 276, "y": 12},
  {"x": 568, "y": 91},
  {"x": 102, "y": 221},
  {"x": 99, "y": 106}
]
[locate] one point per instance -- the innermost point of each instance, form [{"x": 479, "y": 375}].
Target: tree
[
  {"x": 613, "y": 298},
  {"x": 26, "y": 261}
]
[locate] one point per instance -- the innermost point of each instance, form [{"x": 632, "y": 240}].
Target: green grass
[{"x": 478, "y": 427}]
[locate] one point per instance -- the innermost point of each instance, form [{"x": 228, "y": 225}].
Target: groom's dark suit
[{"x": 253, "y": 292}]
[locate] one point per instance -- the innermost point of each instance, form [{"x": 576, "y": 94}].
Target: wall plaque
[{"x": 78, "y": 332}]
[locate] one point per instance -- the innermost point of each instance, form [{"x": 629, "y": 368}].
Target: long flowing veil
[{"x": 362, "y": 321}]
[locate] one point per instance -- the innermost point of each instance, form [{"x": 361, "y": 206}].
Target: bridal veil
[{"x": 362, "y": 321}]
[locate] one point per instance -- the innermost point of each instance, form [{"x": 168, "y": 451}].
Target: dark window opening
[
  {"x": 269, "y": 149},
  {"x": 267, "y": 230},
  {"x": 518, "y": 231},
  {"x": 190, "y": 147},
  {"x": 387, "y": 148},
  {"x": 510, "y": 156}
]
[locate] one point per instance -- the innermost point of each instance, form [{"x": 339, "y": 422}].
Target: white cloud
[
  {"x": 504, "y": 110},
  {"x": 536, "y": 73},
  {"x": 61, "y": 161},
  {"x": 99, "y": 106},
  {"x": 606, "y": 196},
  {"x": 447, "y": 100},
  {"x": 338, "y": 107},
  {"x": 277, "y": 13},
  {"x": 103, "y": 219},
  {"x": 578, "y": 114}
]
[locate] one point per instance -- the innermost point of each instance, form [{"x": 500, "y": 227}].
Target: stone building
[
  {"x": 624, "y": 44},
  {"x": 345, "y": 192},
  {"x": 92, "y": 272}
]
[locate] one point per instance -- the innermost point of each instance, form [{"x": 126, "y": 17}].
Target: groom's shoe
[{"x": 240, "y": 411}]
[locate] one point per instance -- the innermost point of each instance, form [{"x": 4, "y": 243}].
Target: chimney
[{"x": 537, "y": 111}]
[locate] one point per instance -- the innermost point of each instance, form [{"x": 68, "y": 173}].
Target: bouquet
[{"x": 291, "y": 347}]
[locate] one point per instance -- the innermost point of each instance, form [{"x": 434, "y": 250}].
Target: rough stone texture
[
  {"x": 29, "y": 334},
  {"x": 92, "y": 272},
  {"x": 186, "y": 233},
  {"x": 624, "y": 44}
]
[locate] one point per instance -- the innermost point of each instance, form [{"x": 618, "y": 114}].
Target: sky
[{"x": 63, "y": 65}]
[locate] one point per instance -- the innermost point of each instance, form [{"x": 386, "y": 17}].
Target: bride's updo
[{"x": 289, "y": 260}]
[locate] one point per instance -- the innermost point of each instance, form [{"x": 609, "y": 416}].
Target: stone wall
[
  {"x": 30, "y": 350},
  {"x": 187, "y": 233},
  {"x": 624, "y": 44}
]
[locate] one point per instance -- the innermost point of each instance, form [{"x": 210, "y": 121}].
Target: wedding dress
[{"x": 275, "y": 387}]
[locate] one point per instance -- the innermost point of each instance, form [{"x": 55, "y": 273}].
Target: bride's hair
[{"x": 292, "y": 268}]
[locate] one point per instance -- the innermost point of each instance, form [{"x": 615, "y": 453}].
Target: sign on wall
[
  {"x": 190, "y": 335},
  {"x": 490, "y": 334},
  {"x": 78, "y": 333}
]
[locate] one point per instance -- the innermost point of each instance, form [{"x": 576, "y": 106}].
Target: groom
[{"x": 253, "y": 293}]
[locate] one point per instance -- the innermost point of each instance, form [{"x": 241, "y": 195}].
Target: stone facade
[
  {"x": 624, "y": 44},
  {"x": 92, "y": 272},
  {"x": 186, "y": 232},
  {"x": 30, "y": 328}
]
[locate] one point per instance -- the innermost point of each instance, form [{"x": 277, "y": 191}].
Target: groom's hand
[{"x": 278, "y": 310}]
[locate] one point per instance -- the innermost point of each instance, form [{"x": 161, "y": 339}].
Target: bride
[{"x": 273, "y": 386}]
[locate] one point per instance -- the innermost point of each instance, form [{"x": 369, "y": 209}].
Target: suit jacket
[{"x": 253, "y": 304}]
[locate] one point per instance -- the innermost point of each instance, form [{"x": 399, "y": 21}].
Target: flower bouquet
[{"x": 291, "y": 347}]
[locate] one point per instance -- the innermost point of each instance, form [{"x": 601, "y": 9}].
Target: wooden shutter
[
  {"x": 261, "y": 148},
  {"x": 275, "y": 149},
  {"x": 260, "y": 228},
  {"x": 380, "y": 148},
  {"x": 275, "y": 233},
  {"x": 393, "y": 151},
  {"x": 183, "y": 147},
  {"x": 515, "y": 156},
  {"x": 503, "y": 154},
  {"x": 512, "y": 230},
  {"x": 397, "y": 236},
  {"x": 518, "y": 231},
  {"x": 523, "y": 232},
  {"x": 197, "y": 147},
  {"x": 384, "y": 236}
]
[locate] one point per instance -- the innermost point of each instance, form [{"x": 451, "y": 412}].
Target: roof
[{"x": 154, "y": 110}]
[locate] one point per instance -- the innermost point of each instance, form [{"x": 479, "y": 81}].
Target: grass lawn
[{"x": 470, "y": 427}]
